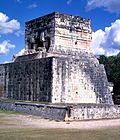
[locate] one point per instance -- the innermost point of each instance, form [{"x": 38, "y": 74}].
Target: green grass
[
  {"x": 7, "y": 112},
  {"x": 6, "y": 119},
  {"x": 59, "y": 134},
  {"x": 3, "y": 113}
]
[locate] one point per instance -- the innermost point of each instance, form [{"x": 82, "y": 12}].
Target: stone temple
[
  {"x": 58, "y": 65},
  {"x": 59, "y": 68}
]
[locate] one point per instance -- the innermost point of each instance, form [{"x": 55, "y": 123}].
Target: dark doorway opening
[{"x": 47, "y": 43}]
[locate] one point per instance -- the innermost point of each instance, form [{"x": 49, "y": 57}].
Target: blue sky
[{"x": 104, "y": 15}]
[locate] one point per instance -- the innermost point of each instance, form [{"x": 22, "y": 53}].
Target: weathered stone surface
[
  {"x": 64, "y": 112},
  {"x": 58, "y": 65},
  {"x": 76, "y": 81},
  {"x": 56, "y": 31},
  {"x": 30, "y": 80},
  {"x": 94, "y": 111},
  {"x": 52, "y": 112},
  {"x": 2, "y": 80}
]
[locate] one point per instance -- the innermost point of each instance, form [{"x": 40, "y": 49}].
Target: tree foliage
[{"x": 112, "y": 67}]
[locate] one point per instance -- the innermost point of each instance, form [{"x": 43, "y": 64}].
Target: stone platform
[
  {"x": 58, "y": 66},
  {"x": 64, "y": 112}
]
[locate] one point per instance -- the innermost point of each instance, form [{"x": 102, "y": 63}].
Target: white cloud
[
  {"x": 3, "y": 17},
  {"x": 5, "y": 46},
  {"x": 8, "y": 26},
  {"x": 21, "y": 52},
  {"x": 18, "y": 33},
  {"x": 32, "y": 6},
  {"x": 112, "y": 6},
  {"x": 69, "y": 2},
  {"x": 98, "y": 36},
  {"x": 5, "y": 62},
  {"x": 107, "y": 42}
]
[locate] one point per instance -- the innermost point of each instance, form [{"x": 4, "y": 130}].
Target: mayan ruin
[{"x": 58, "y": 67}]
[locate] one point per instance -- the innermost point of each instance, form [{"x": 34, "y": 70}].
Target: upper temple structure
[
  {"x": 55, "y": 33},
  {"x": 58, "y": 65}
]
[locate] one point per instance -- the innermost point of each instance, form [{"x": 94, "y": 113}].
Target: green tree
[{"x": 112, "y": 67}]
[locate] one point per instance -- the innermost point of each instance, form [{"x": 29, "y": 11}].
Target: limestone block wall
[
  {"x": 61, "y": 112},
  {"x": 26, "y": 57},
  {"x": 73, "y": 75},
  {"x": 71, "y": 84},
  {"x": 72, "y": 39},
  {"x": 72, "y": 32},
  {"x": 52, "y": 112},
  {"x": 39, "y": 33},
  {"x": 77, "y": 78},
  {"x": 94, "y": 111},
  {"x": 2, "y": 81},
  {"x": 81, "y": 80},
  {"x": 55, "y": 31},
  {"x": 29, "y": 80}
]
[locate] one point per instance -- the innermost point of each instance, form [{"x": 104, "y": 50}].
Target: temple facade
[{"x": 58, "y": 65}]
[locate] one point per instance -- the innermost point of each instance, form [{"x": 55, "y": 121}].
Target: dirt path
[{"x": 28, "y": 121}]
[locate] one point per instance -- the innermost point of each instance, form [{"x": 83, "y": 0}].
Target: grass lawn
[
  {"x": 59, "y": 134},
  {"x": 52, "y": 134}
]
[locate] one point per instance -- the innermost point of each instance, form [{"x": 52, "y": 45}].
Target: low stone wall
[
  {"x": 94, "y": 111},
  {"x": 61, "y": 112},
  {"x": 53, "y": 112}
]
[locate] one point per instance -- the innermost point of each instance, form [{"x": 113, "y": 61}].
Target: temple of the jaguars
[{"x": 59, "y": 68}]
